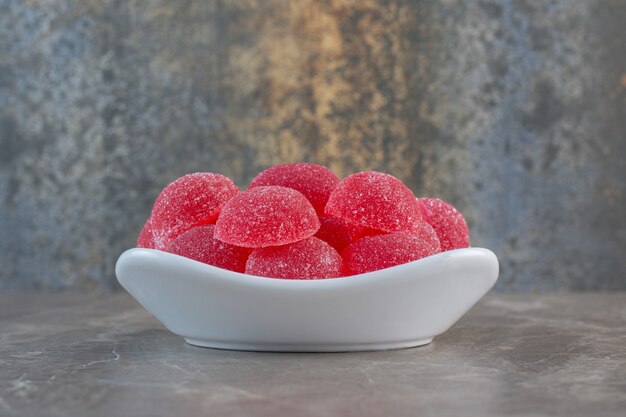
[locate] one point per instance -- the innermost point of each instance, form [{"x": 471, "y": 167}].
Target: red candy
[
  {"x": 334, "y": 232},
  {"x": 448, "y": 222},
  {"x": 295, "y": 220},
  {"x": 377, "y": 201},
  {"x": 266, "y": 216},
  {"x": 199, "y": 244},
  {"x": 311, "y": 258},
  {"x": 357, "y": 232},
  {"x": 340, "y": 234},
  {"x": 191, "y": 200},
  {"x": 428, "y": 234},
  {"x": 145, "y": 239},
  {"x": 384, "y": 251},
  {"x": 315, "y": 182}
]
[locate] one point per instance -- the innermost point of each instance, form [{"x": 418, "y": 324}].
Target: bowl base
[{"x": 356, "y": 347}]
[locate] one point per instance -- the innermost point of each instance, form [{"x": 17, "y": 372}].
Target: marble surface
[
  {"x": 514, "y": 110},
  {"x": 518, "y": 355}
]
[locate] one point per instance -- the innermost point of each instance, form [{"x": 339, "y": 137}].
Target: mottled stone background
[{"x": 515, "y": 111}]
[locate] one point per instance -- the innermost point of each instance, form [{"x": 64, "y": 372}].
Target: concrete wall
[{"x": 515, "y": 111}]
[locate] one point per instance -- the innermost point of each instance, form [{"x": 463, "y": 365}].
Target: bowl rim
[{"x": 176, "y": 261}]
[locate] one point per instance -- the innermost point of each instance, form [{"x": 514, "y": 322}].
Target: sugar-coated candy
[
  {"x": 375, "y": 200},
  {"x": 266, "y": 216},
  {"x": 340, "y": 234},
  {"x": 428, "y": 234},
  {"x": 310, "y": 258},
  {"x": 298, "y": 221},
  {"x": 199, "y": 244},
  {"x": 145, "y": 239},
  {"x": 315, "y": 182},
  {"x": 335, "y": 232},
  {"x": 191, "y": 200},
  {"x": 372, "y": 253},
  {"x": 448, "y": 222},
  {"x": 358, "y": 231}
]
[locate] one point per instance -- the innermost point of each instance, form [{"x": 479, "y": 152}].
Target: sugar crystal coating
[
  {"x": 145, "y": 239},
  {"x": 310, "y": 258},
  {"x": 448, "y": 222},
  {"x": 199, "y": 244},
  {"x": 266, "y": 216},
  {"x": 375, "y": 200},
  {"x": 428, "y": 234},
  {"x": 372, "y": 253},
  {"x": 191, "y": 200},
  {"x": 315, "y": 182}
]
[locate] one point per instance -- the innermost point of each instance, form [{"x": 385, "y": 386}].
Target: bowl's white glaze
[{"x": 403, "y": 306}]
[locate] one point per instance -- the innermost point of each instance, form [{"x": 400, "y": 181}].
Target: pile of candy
[{"x": 299, "y": 221}]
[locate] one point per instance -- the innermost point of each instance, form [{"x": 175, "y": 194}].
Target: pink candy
[
  {"x": 191, "y": 200},
  {"x": 266, "y": 216},
  {"x": 310, "y": 258},
  {"x": 315, "y": 182},
  {"x": 447, "y": 221},
  {"x": 200, "y": 244},
  {"x": 384, "y": 251},
  {"x": 377, "y": 201}
]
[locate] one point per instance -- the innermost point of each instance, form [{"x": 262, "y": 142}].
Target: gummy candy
[
  {"x": 428, "y": 234},
  {"x": 384, "y": 251},
  {"x": 191, "y": 200},
  {"x": 199, "y": 244},
  {"x": 266, "y": 216},
  {"x": 310, "y": 258},
  {"x": 296, "y": 219},
  {"x": 340, "y": 234},
  {"x": 334, "y": 232},
  {"x": 448, "y": 222},
  {"x": 145, "y": 236},
  {"x": 357, "y": 231},
  {"x": 377, "y": 201},
  {"x": 315, "y": 182}
]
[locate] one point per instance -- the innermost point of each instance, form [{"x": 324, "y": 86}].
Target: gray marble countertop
[{"x": 520, "y": 355}]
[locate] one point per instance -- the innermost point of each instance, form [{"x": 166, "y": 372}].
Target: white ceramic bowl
[{"x": 398, "y": 307}]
